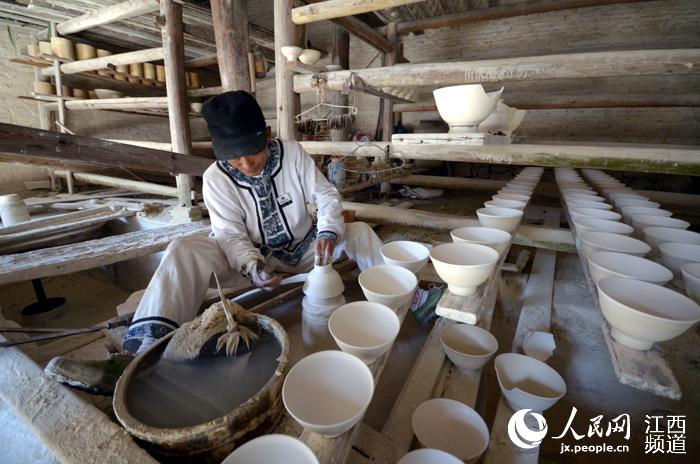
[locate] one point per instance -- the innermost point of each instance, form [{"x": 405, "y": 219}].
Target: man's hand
[
  {"x": 260, "y": 278},
  {"x": 324, "y": 249}
]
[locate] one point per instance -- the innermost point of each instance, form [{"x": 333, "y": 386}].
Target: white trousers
[{"x": 185, "y": 273}]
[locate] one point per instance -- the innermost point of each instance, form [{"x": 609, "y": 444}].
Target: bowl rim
[
  {"x": 457, "y": 326},
  {"x": 490, "y": 209},
  {"x": 664, "y": 247},
  {"x": 504, "y": 388},
  {"x": 490, "y": 251},
  {"x": 642, "y": 217},
  {"x": 685, "y": 271},
  {"x": 696, "y": 234},
  {"x": 403, "y": 270},
  {"x": 290, "y": 440},
  {"x": 395, "y": 243},
  {"x": 627, "y": 238},
  {"x": 617, "y": 273},
  {"x": 487, "y": 229}
]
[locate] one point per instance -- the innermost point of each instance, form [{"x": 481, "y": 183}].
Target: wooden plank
[
  {"x": 457, "y": 183},
  {"x": 230, "y": 20},
  {"x": 67, "y": 259},
  {"x": 336, "y": 450},
  {"x": 46, "y": 407},
  {"x": 104, "y": 62},
  {"x": 527, "y": 235},
  {"x": 560, "y": 66},
  {"x": 124, "y": 103},
  {"x": 37, "y": 146},
  {"x": 644, "y": 370},
  {"x": 362, "y": 31},
  {"x": 498, "y": 12},
  {"x": 667, "y": 159},
  {"x": 534, "y": 315},
  {"x": 331, "y": 9},
  {"x": 106, "y": 15}
]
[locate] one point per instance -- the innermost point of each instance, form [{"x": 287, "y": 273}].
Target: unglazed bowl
[
  {"x": 469, "y": 347},
  {"x": 494, "y": 238},
  {"x": 605, "y": 241},
  {"x": 464, "y": 266},
  {"x": 507, "y": 219},
  {"x": 389, "y": 285},
  {"x": 604, "y": 264},
  {"x": 463, "y": 107},
  {"x": 528, "y": 383},
  {"x": 410, "y": 255}
]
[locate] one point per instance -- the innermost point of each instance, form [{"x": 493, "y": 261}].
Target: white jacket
[{"x": 253, "y": 217}]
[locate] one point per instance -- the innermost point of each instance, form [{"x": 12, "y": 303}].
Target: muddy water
[{"x": 173, "y": 395}]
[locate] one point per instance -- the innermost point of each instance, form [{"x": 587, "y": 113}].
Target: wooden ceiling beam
[{"x": 333, "y": 9}]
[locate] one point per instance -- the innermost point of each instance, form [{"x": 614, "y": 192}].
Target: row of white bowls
[{"x": 639, "y": 309}]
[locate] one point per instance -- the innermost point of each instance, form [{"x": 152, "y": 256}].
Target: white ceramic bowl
[
  {"x": 323, "y": 282},
  {"x": 655, "y": 236},
  {"x": 629, "y": 211},
  {"x": 272, "y": 449},
  {"x": 511, "y": 196},
  {"x": 108, "y": 93},
  {"x": 310, "y": 56},
  {"x": 643, "y": 203},
  {"x": 451, "y": 426},
  {"x": 506, "y": 204},
  {"x": 429, "y": 456},
  {"x": 389, "y": 285},
  {"x": 594, "y": 213},
  {"x": 528, "y": 383},
  {"x": 575, "y": 196},
  {"x": 641, "y": 314},
  {"x": 511, "y": 191},
  {"x": 499, "y": 120},
  {"x": 642, "y": 221},
  {"x": 691, "y": 280},
  {"x": 464, "y": 106},
  {"x": 524, "y": 187},
  {"x": 494, "y": 238},
  {"x": 675, "y": 254},
  {"x": 364, "y": 329},
  {"x": 464, "y": 266},
  {"x": 589, "y": 204},
  {"x": 609, "y": 264},
  {"x": 410, "y": 255},
  {"x": 624, "y": 195},
  {"x": 605, "y": 241},
  {"x": 291, "y": 52},
  {"x": 507, "y": 219},
  {"x": 328, "y": 392},
  {"x": 469, "y": 347},
  {"x": 587, "y": 224}
]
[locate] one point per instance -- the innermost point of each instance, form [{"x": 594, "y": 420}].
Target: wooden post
[
  {"x": 284, "y": 35},
  {"x": 341, "y": 57},
  {"x": 388, "y": 105},
  {"x": 178, "y": 106},
  {"x": 230, "y": 20}
]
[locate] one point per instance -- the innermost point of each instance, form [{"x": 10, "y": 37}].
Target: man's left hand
[{"x": 324, "y": 249}]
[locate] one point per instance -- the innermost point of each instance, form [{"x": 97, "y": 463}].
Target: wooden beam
[
  {"x": 498, "y": 12},
  {"x": 175, "y": 83},
  {"x": 126, "y": 103},
  {"x": 128, "y": 184},
  {"x": 284, "y": 80},
  {"x": 230, "y": 20},
  {"x": 331, "y": 9},
  {"x": 362, "y": 31},
  {"x": 562, "y": 66},
  {"x": 202, "y": 61},
  {"x": 139, "y": 56},
  {"x": 37, "y": 146},
  {"x": 667, "y": 159},
  {"x": 457, "y": 183},
  {"x": 67, "y": 259},
  {"x": 388, "y": 105},
  {"x": 527, "y": 235},
  {"x": 108, "y": 14},
  {"x": 47, "y": 407}
]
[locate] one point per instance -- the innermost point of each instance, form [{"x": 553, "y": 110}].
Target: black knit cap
[{"x": 236, "y": 125}]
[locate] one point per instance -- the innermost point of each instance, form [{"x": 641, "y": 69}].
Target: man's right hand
[{"x": 261, "y": 278}]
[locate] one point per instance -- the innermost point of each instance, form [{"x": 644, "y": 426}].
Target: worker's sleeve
[
  {"x": 228, "y": 224},
  {"x": 325, "y": 196}
]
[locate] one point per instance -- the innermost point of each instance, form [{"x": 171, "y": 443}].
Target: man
[{"x": 256, "y": 194}]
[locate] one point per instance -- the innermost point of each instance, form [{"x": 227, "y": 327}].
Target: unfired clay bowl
[
  {"x": 291, "y": 52},
  {"x": 323, "y": 282},
  {"x": 674, "y": 255},
  {"x": 641, "y": 314},
  {"x": 469, "y": 347},
  {"x": 605, "y": 241},
  {"x": 642, "y": 221},
  {"x": 451, "y": 426},
  {"x": 511, "y": 196},
  {"x": 389, "y": 285},
  {"x": 655, "y": 236},
  {"x": 604, "y": 264},
  {"x": 108, "y": 93},
  {"x": 594, "y": 213},
  {"x": 574, "y": 196},
  {"x": 629, "y": 211},
  {"x": 510, "y": 191},
  {"x": 528, "y": 383},
  {"x": 310, "y": 56},
  {"x": 410, "y": 255},
  {"x": 691, "y": 280},
  {"x": 589, "y": 204},
  {"x": 464, "y": 266},
  {"x": 464, "y": 107},
  {"x": 587, "y": 224},
  {"x": 624, "y": 202},
  {"x": 429, "y": 456},
  {"x": 507, "y": 219},
  {"x": 272, "y": 449},
  {"x": 494, "y": 238},
  {"x": 364, "y": 329},
  {"x": 506, "y": 204},
  {"x": 328, "y": 392}
]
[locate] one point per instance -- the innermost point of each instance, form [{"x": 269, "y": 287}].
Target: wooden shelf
[{"x": 113, "y": 103}]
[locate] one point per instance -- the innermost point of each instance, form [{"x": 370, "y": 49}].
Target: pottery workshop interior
[{"x": 349, "y": 231}]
